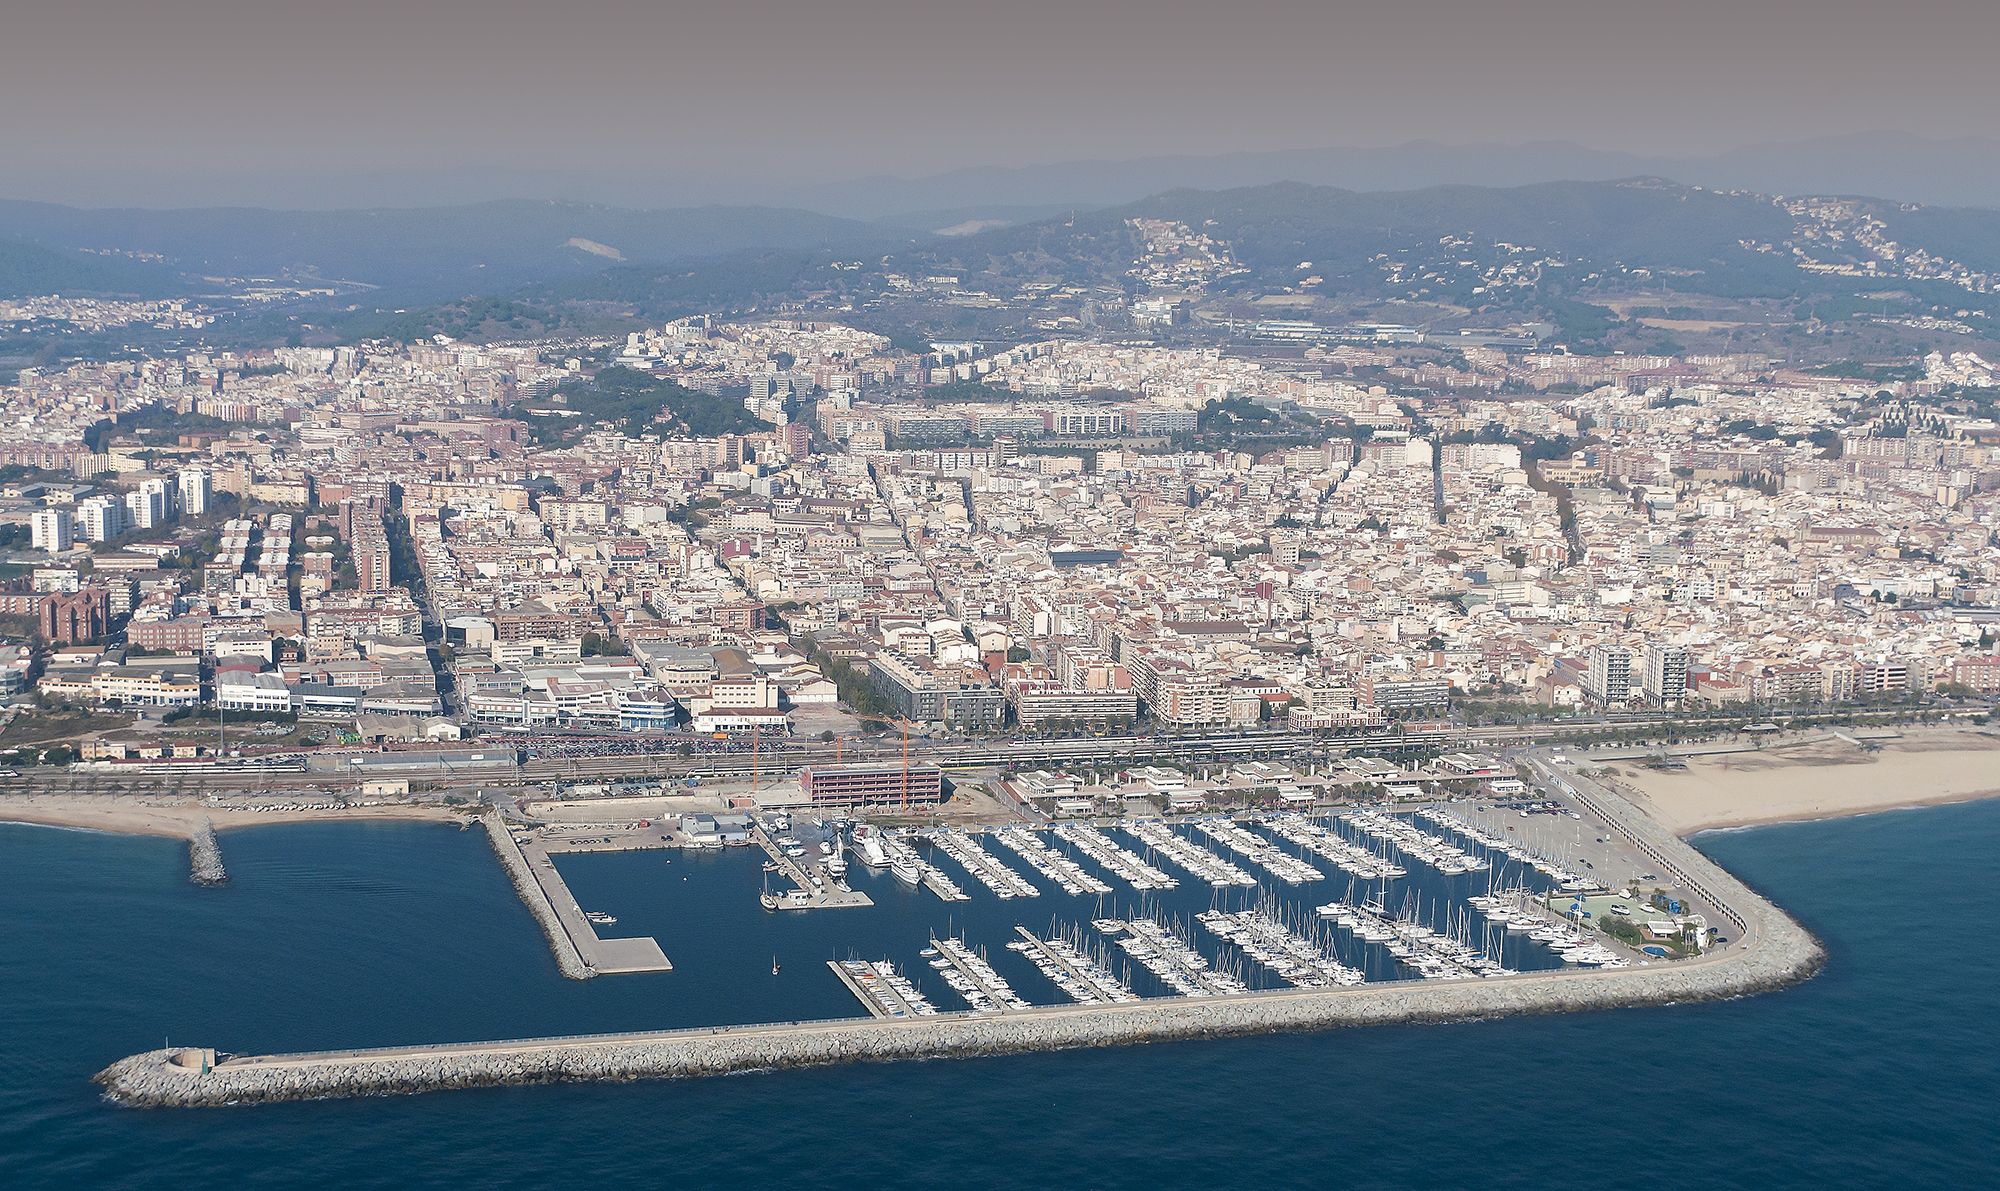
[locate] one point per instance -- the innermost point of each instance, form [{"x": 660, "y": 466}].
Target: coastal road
[{"x": 336, "y": 769}]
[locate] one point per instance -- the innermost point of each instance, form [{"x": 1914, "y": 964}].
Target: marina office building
[{"x": 886, "y": 784}]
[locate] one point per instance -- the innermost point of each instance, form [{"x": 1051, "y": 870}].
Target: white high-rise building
[
  {"x": 193, "y": 484},
  {"x": 148, "y": 504},
  {"x": 159, "y": 496},
  {"x": 53, "y": 530},
  {"x": 102, "y": 517},
  {"x": 1665, "y": 676},
  {"x": 1609, "y": 679}
]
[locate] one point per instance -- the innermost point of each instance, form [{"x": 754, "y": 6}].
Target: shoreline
[
  {"x": 110, "y": 814},
  {"x": 1812, "y": 778},
  {"x": 1789, "y": 819}
]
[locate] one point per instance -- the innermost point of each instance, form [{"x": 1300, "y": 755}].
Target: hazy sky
[{"x": 155, "y": 102}]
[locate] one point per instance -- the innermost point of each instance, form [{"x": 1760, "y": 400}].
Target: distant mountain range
[
  {"x": 1950, "y": 172},
  {"x": 1960, "y": 172},
  {"x": 1525, "y": 250},
  {"x": 1473, "y": 245},
  {"x": 28, "y": 269}
]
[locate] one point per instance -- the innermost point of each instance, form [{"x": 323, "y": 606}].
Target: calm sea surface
[{"x": 1883, "y": 1071}]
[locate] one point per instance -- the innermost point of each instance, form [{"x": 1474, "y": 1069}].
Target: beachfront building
[
  {"x": 1665, "y": 674},
  {"x": 1609, "y": 677}
]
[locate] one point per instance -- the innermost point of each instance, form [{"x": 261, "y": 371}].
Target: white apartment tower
[
  {"x": 102, "y": 517},
  {"x": 193, "y": 484},
  {"x": 53, "y": 530},
  {"x": 148, "y": 503},
  {"x": 1665, "y": 676},
  {"x": 1609, "y": 679}
]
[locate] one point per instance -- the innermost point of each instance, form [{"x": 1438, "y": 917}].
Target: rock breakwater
[
  {"x": 205, "y": 856},
  {"x": 157, "y": 1079},
  {"x": 568, "y": 960}
]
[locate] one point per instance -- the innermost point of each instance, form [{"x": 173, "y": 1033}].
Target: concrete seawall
[
  {"x": 568, "y": 960},
  {"x": 1770, "y": 952},
  {"x": 205, "y": 856}
]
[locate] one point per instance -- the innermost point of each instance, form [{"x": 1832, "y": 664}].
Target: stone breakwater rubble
[
  {"x": 1772, "y": 952},
  {"x": 205, "y": 856},
  {"x": 568, "y": 960},
  {"x": 154, "y": 1079}
]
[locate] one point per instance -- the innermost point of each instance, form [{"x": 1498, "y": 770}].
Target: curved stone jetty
[
  {"x": 171, "y": 1078},
  {"x": 1770, "y": 951},
  {"x": 205, "y": 856}
]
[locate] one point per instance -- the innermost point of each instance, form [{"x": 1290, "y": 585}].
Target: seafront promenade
[{"x": 1769, "y": 952}]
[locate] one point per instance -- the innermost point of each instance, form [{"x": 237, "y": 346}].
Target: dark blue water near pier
[{"x": 1883, "y": 1071}]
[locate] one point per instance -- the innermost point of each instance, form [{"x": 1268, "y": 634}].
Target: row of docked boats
[
  {"x": 960, "y": 966},
  {"x": 890, "y": 850},
  {"x": 1165, "y": 841},
  {"x": 1290, "y": 955},
  {"x": 1330, "y": 845},
  {"x": 984, "y": 867},
  {"x": 1565, "y": 877},
  {"x": 1170, "y": 958},
  {"x": 1441, "y": 855},
  {"x": 891, "y": 992},
  {"x": 1520, "y": 913},
  {"x": 1066, "y": 964},
  {"x": 1259, "y": 851},
  {"x": 1119, "y": 862},
  {"x": 1065, "y": 873},
  {"x": 1431, "y": 953}
]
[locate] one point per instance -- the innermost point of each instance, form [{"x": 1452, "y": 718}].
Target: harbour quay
[
  {"x": 544, "y": 830},
  {"x": 579, "y": 953}
]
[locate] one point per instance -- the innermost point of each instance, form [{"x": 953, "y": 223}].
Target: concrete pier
[
  {"x": 1771, "y": 952},
  {"x": 877, "y": 995},
  {"x": 946, "y": 889},
  {"x": 604, "y": 957},
  {"x": 804, "y": 894},
  {"x": 579, "y": 953}
]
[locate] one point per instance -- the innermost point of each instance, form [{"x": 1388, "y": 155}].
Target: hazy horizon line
[{"x": 463, "y": 184}]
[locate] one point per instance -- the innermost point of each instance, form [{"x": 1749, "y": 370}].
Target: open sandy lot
[{"x": 1816, "y": 779}]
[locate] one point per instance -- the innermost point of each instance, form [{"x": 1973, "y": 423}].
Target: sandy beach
[
  {"x": 178, "y": 819},
  {"x": 1818, "y": 777}
]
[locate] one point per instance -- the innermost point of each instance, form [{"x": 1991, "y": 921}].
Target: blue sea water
[{"x": 1883, "y": 1071}]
